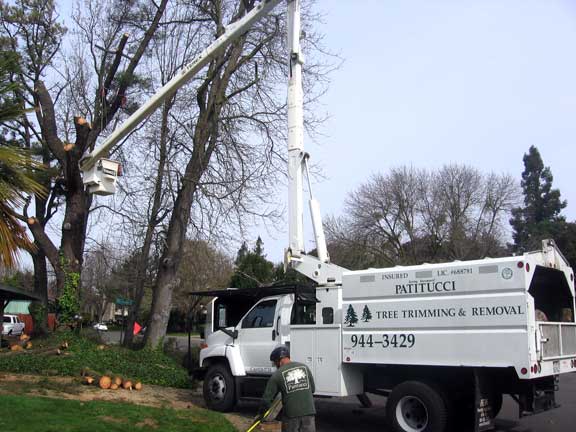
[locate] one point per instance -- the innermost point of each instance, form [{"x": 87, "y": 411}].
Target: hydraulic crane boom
[
  {"x": 231, "y": 33},
  {"x": 99, "y": 173},
  {"x": 318, "y": 269}
]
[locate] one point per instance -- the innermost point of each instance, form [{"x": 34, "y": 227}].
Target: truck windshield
[
  {"x": 228, "y": 311},
  {"x": 261, "y": 316}
]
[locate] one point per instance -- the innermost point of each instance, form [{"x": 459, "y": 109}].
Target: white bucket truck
[{"x": 438, "y": 339}]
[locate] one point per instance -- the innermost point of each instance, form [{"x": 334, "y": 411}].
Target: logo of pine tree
[
  {"x": 366, "y": 314},
  {"x": 351, "y": 317}
]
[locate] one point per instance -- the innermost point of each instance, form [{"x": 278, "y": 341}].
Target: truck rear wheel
[
  {"x": 496, "y": 401},
  {"x": 415, "y": 406},
  {"x": 219, "y": 389}
]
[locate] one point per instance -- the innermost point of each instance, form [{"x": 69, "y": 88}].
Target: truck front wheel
[
  {"x": 219, "y": 388},
  {"x": 415, "y": 406}
]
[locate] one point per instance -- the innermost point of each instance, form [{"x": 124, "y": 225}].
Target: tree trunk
[
  {"x": 39, "y": 309},
  {"x": 169, "y": 262},
  {"x": 74, "y": 226},
  {"x": 152, "y": 224}
]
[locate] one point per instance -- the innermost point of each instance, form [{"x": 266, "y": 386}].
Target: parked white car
[
  {"x": 12, "y": 326},
  {"x": 100, "y": 327}
]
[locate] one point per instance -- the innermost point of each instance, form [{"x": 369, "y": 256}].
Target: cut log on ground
[{"x": 105, "y": 382}]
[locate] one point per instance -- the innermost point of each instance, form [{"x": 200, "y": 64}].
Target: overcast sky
[{"x": 426, "y": 83}]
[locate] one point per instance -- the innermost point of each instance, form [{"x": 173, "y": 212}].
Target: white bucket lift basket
[{"x": 100, "y": 179}]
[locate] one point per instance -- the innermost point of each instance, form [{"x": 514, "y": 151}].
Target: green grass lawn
[{"x": 31, "y": 414}]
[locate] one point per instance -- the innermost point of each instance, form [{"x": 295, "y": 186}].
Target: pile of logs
[
  {"x": 22, "y": 343},
  {"x": 109, "y": 381}
]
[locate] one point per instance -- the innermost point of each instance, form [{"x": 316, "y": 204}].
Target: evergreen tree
[
  {"x": 351, "y": 317},
  {"x": 366, "y": 314},
  {"x": 540, "y": 217},
  {"x": 252, "y": 267},
  {"x": 289, "y": 276},
  {"x": 258, "y": 249},
  {"x": 241, "y": 255}
]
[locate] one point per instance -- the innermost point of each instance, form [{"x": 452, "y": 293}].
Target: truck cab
[{"x": 243, "y": 327}]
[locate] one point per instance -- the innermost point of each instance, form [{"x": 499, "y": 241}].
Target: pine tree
[
  {"x": 366, "y": 314},
  {"x": 540, "y": 216},
  {"x": 241, "y": 255},
  {"x": 252, "y": 267},
  {"x": 351, "y": 317}
]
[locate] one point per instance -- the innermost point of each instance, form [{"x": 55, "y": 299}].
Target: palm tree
[{"x": 17, "y": 169}]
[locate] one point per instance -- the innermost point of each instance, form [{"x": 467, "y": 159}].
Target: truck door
[{"x": 257, "y": 337}]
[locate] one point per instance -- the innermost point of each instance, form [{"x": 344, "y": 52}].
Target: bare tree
[
  {"x": 203, "y": 268},
  {"x": 98, "y": 285},
  {"x": 409, "y": 216},
  {"x": 228, "y": 138}
]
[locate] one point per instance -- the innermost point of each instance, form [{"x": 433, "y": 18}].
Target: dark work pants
[{"x": 299, "y": 424}]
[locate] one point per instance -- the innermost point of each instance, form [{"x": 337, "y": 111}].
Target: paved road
[{"x": 346, "y": 415}]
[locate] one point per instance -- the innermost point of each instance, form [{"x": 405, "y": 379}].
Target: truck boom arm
[
  {"x": 318, "y": 269},
  {"x": 232, "y": 32}
]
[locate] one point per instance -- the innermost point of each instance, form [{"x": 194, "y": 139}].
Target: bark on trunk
[
  {"x": 152, "y": 224},
  {"x": 169, "y": 262},
  {"x": 39, "y": 309}
]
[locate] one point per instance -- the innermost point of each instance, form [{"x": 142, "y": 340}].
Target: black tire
[
  {"x": 219, "y": 388},
  {"x": 415, "y": 406},
  {"x": 496, "y": 402}
]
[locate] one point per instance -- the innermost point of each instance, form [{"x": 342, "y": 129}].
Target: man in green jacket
[{"x": 296, "y": 384}]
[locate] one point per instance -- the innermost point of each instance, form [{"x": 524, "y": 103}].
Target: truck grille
[{"x": 558, "y": 339}]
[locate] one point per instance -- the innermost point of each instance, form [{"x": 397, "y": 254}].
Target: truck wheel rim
[
  {"x": 411, "y": 414},
  {"x": 217, "y": 387}
]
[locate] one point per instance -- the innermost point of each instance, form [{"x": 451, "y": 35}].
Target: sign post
[{"x": 120, "y": 301}]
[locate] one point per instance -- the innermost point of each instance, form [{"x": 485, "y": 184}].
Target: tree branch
[{"x": 47, "y": 119}]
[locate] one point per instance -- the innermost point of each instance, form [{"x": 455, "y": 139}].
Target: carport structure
[{"x": 7, "y": 294}]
